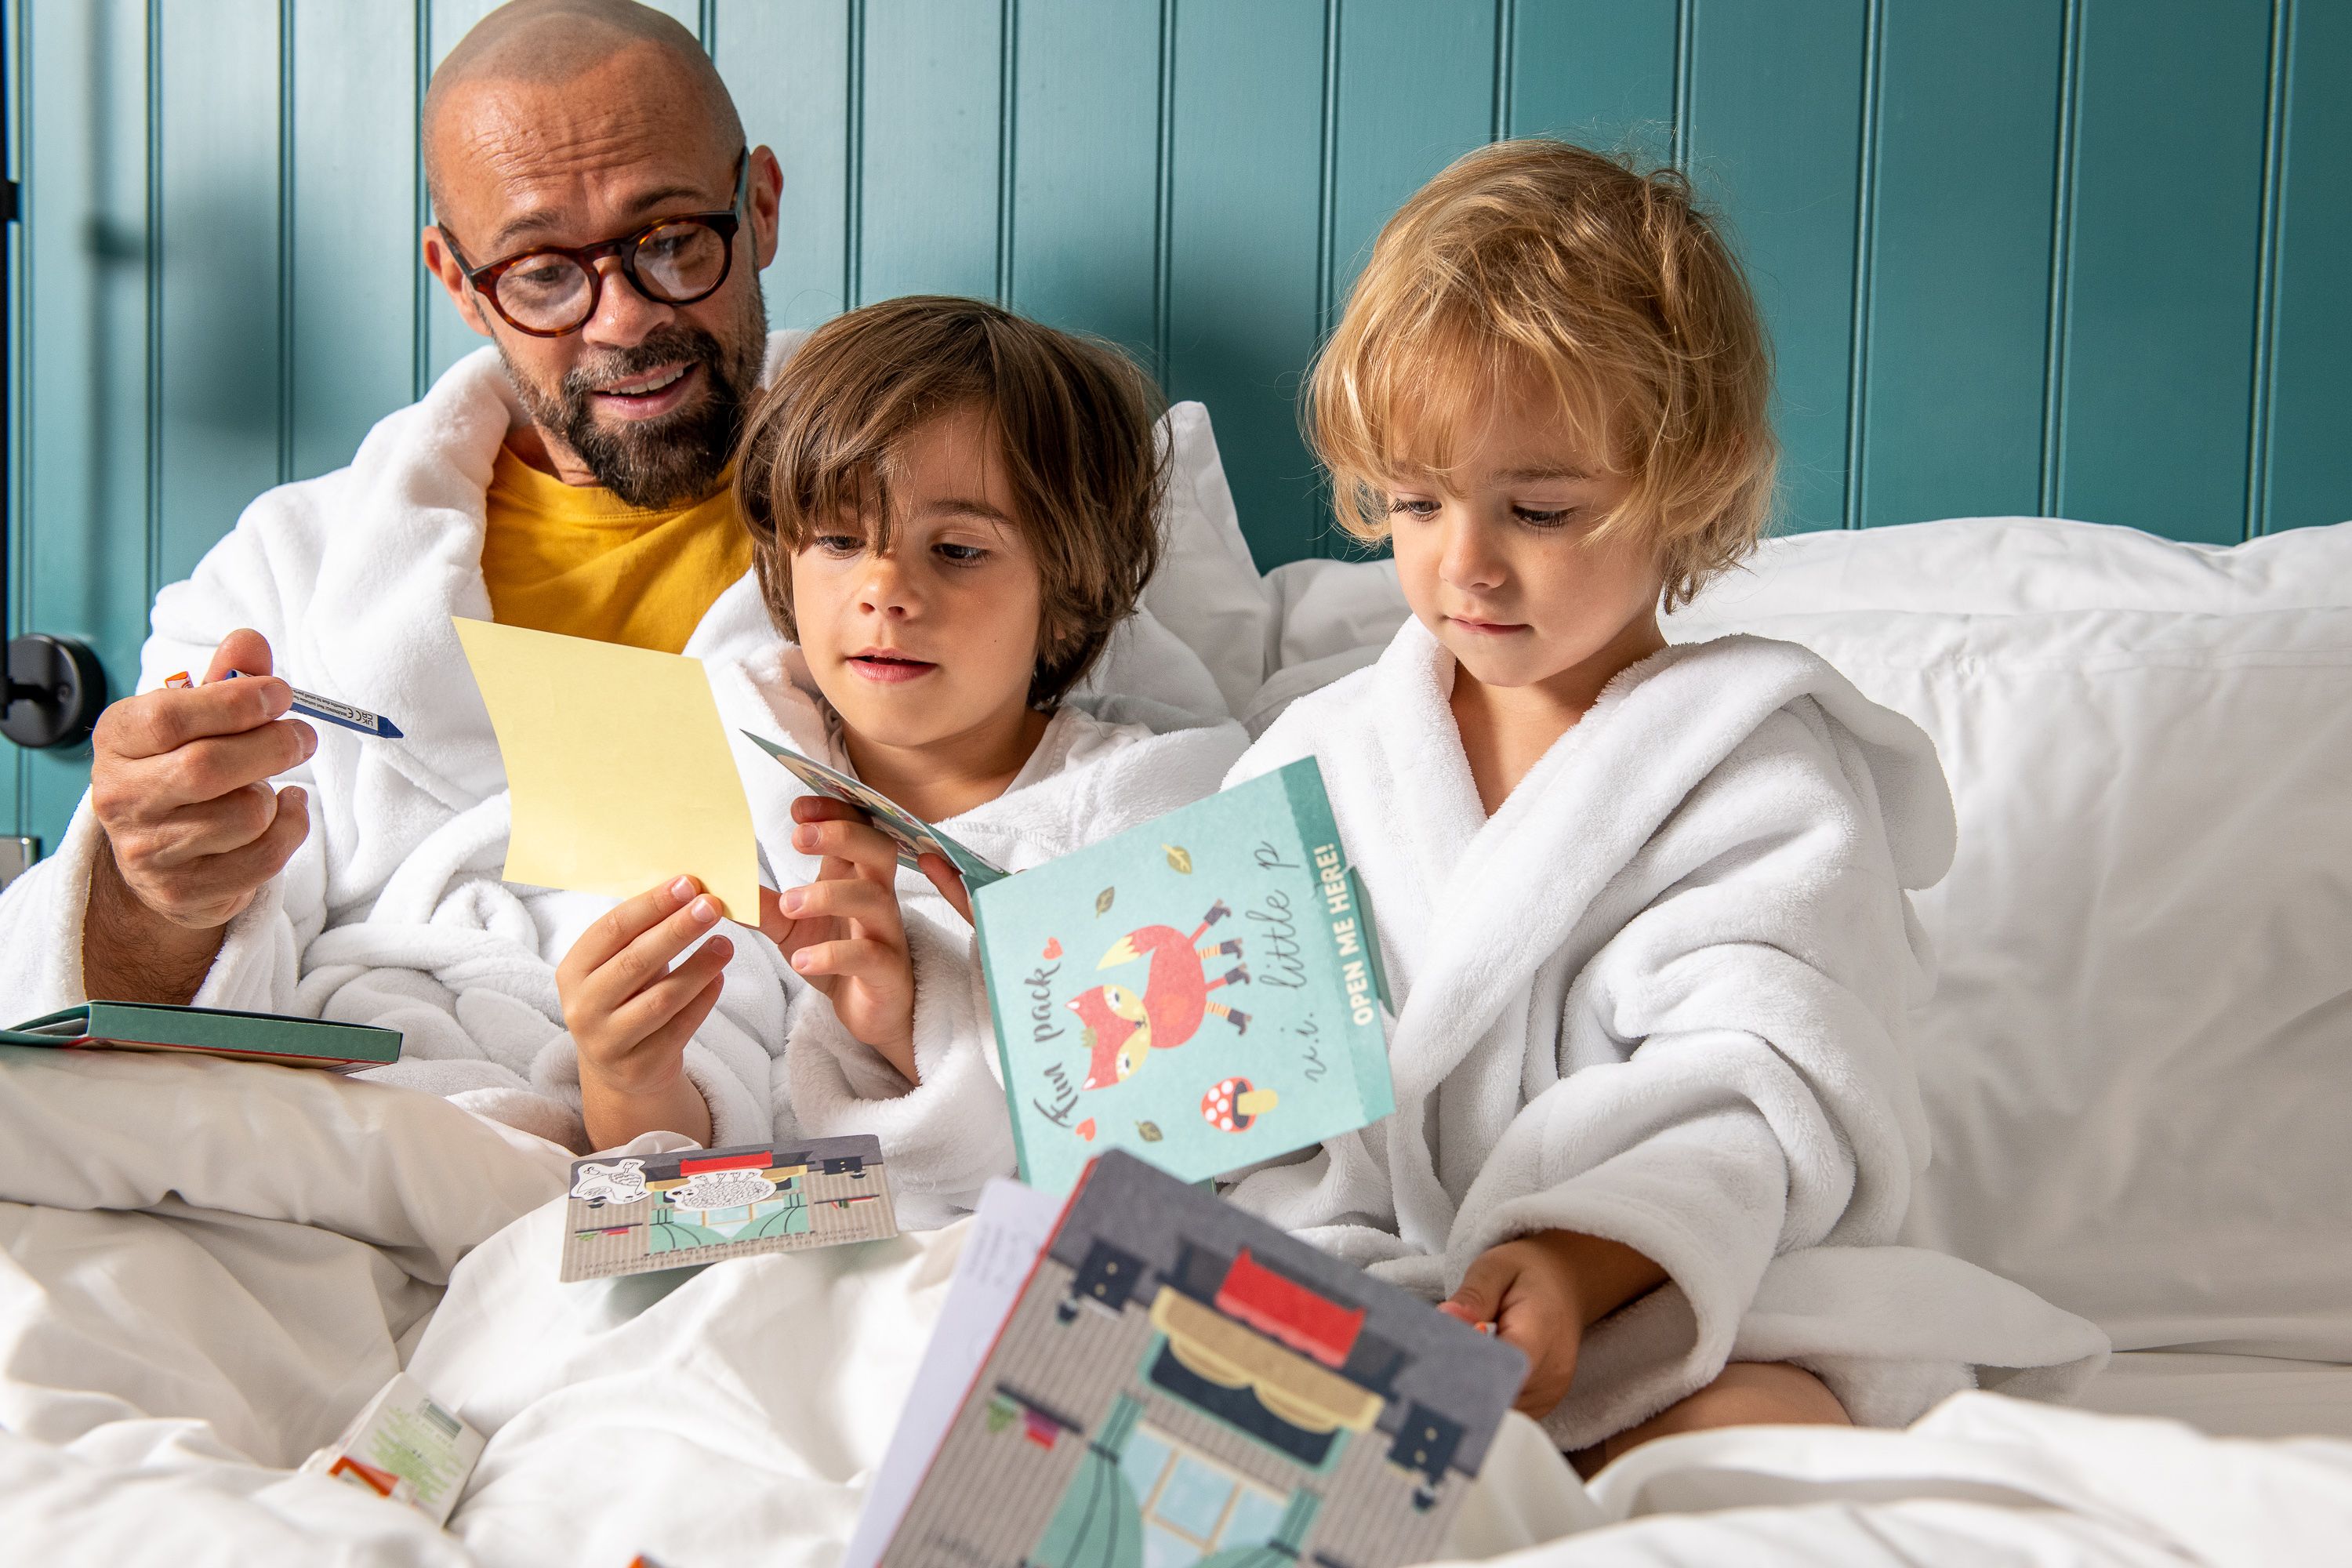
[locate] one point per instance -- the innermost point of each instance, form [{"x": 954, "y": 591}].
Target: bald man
[{"x": 600, "y": 219}]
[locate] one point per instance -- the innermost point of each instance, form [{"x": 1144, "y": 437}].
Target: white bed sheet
[{"x": 180, "y": 1319}]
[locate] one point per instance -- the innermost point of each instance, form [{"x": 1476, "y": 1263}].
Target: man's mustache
[{"x": 668, "y": 345}]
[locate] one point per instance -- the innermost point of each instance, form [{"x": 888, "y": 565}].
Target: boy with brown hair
[
  {"x": 1643, "y": 908},
  {"x": 953, "y": 510}
]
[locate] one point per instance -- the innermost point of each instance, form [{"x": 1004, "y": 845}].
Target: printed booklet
[
  {"x": 641, "y": 1212},
  {"x": 1167, "y": 1381},
  {"x": 1203, "y": 990}
]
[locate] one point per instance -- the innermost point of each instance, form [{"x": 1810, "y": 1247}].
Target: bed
[{"x": 2139, "y": 1065}]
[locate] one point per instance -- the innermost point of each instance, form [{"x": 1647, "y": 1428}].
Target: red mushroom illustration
[{"x": 1233, "y": 1105}]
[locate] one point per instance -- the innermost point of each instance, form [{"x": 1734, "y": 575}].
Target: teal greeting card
[{"x": 1203, "y": 991}]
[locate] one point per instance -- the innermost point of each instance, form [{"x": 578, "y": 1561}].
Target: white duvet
[{"x": 211, "y": 1266}]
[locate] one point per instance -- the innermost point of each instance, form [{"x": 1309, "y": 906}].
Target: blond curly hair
[{"x": 1533, "y": 268}]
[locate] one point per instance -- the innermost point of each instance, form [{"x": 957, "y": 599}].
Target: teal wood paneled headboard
[{"x": 2081, "y": 257}]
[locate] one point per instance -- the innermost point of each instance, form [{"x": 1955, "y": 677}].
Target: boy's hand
[
  {"x": 844, "y": 932},
  {"x": 1541, "y": 1292},
  {"x": 631, "y": 1013}
]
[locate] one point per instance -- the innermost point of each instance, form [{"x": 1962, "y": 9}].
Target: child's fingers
[
  {"x": 850, "y": 958},
  {"x": 622, "y": 924},
  {"x": 866, "y": 847},
  {"x": 871, "y": 904},
  {"x": 949, "y": 881},
  {"x": 1480, "y": 1297},
  {"x": 651, "y": 1009},
  {"x": 671, "y": 1038},
  {"x": 649, "y": 957},
  {"x": 825, "y": 808}
]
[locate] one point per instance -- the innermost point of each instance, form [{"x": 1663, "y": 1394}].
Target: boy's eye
[
  {"x": 840, "y": 545},
  {"x": 1413, "y": 506},
  {"x": 961, "y": 554}
]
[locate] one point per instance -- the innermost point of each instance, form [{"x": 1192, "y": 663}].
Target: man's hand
[
  {"x": 631, "y": 1013},
  {"x": 1541, "y": 1292},
  {"x": 178, "y": 785},
  {"x": 844, "y": 932}
]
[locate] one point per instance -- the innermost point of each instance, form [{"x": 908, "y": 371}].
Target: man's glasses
[{"x": 554, "y": 290}]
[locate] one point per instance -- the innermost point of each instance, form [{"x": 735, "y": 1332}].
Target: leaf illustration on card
[
  {"x": 1103, "y": 898},
  {"x": 1148, "y": 1131},
  {"x": 1179, "y": 859}
]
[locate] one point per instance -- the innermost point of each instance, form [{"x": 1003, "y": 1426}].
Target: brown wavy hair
[
  {"x": 1076, "y": 420},
  {"x": 1537, "y": 265}
]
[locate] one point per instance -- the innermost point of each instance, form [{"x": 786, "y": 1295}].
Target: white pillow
[
  {"x": 1207, "y": 590},
  {"x": 2138, "y": 1060}
]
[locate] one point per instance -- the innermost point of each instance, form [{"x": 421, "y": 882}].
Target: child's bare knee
[{"x": 1762, "y": 1393}]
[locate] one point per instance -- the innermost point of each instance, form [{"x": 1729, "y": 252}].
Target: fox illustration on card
[{"x": 1203, "y": 990}]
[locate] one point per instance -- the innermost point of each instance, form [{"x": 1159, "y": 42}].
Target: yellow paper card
[{"x": 619, "y": 766}]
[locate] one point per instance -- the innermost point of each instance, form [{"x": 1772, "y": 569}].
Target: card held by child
[
  {"x": 913, "y": 835},
  {"x": 1203, "y": 991},
  {"x": 618, "y": 765},
  {"x": 637, "y": 1214},
  {"x": 1179, "y": 1382}
]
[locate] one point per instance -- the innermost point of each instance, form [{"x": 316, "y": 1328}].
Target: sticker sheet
[{"x": 637, "y": 1214}]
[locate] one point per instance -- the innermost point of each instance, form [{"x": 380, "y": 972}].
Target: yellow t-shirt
[{"x": 579, "y": 560}]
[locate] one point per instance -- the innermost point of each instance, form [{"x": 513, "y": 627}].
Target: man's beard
[{"x": 655, "y": 464}]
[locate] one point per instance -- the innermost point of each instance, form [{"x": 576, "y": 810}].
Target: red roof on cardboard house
[
  {"x": 1281, "y": 1309},
  {"x": 758, "y": 1160}
]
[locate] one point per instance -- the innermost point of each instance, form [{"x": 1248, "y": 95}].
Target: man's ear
[
  {"x": 439, "y": 262},
  {"x": 766, "y": 198}
]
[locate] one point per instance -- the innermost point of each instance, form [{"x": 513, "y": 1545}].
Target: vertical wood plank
[
  {"x": 2308, "y": 468},
  {"x": 83, "y": 413},
  {"x": 2165, "y": 264},
  {"x": 219, "y": 271},
  {"x": 1415, "y": 93},
  {"x": 353, "y": 248},
  {"x": 1774, "y": 123},
  {"x": 1600, "y": 73},
  {"x": 1244, "y": 246},
  {"x": 929, "y": 136},
  {"x": 447, "y": 338},
  {"x": 1960, "y": 293},
  {"x": 786, "y": 64},
  {"x": 1085, "y": 193}
]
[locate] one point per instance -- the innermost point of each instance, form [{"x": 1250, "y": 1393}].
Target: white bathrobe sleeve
[
  {"x": 945, "y": 1136},
  {"x": 1731, "y": 1087}
]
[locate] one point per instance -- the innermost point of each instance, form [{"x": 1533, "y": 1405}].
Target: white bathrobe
[
  {"x": 393, "y": 912},
  {"x": 1105, "y": 764},
  {"x": 1659, "y": 997}
]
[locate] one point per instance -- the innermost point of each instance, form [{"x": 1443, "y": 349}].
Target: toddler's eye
[
  {"x": 961, "y": 554},
  {"x": 1534, "y": 518},
  {"x": 1413, "y": 506},
  {"x": 840, "y": 545}
]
